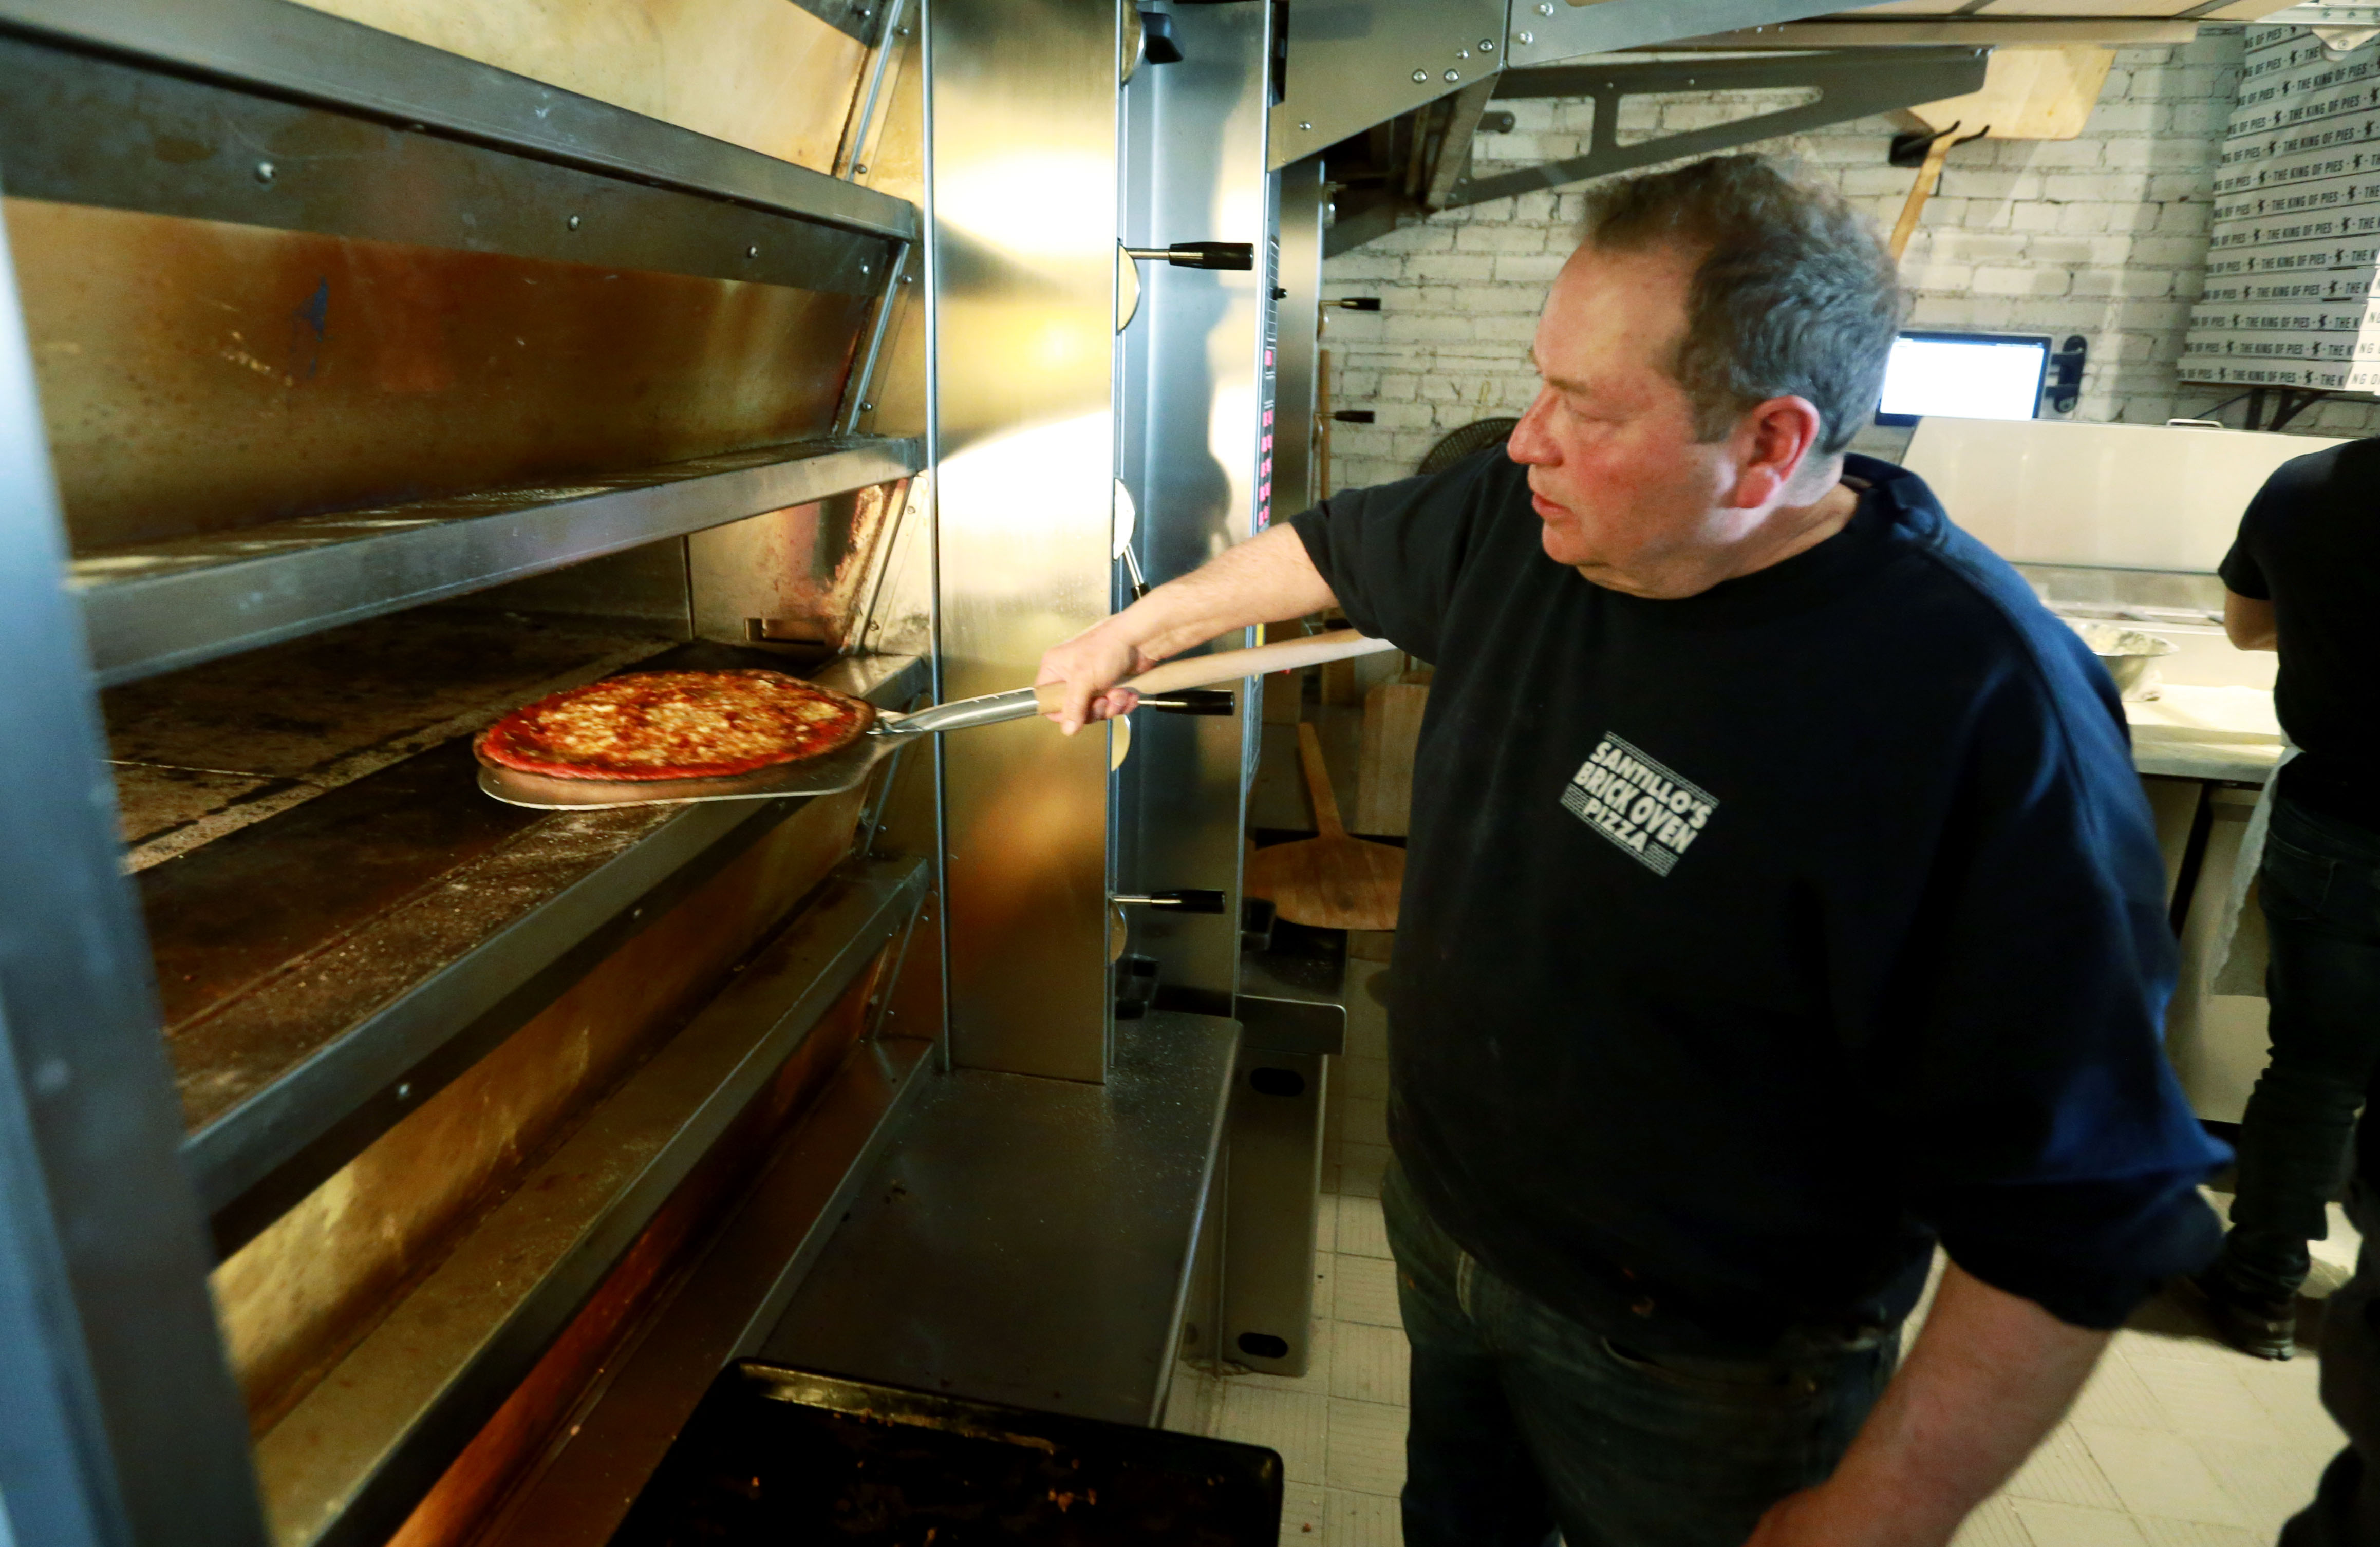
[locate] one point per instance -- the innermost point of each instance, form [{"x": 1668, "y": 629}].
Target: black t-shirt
[
  {"x": 2310, "y": 544},
  {"x": 1752, "y": 940}
]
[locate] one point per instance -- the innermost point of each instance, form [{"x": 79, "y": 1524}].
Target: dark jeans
[
  {"x": 2345, "y": 1511},
  {"x": 2320, "y": 884},
  {"x": 1524, "y": 1418}
]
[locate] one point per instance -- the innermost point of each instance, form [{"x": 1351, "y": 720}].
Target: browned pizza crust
[{"x": 659, "y": 725}]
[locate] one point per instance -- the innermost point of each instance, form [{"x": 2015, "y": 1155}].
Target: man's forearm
[
  {"x": 1261, "y": 581},
  {"x": 1264, "y": 580},
  {"x": 1989, "y": 1375}
]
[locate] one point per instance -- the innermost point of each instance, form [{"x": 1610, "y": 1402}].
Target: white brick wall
[{"x": 2102, "y": 235}]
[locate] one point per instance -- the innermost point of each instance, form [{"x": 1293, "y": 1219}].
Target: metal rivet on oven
[
  {"x": 859, "y": 167},
  {"x": 1463, "y": 53},
  {"x": 752, "y": 252},
  {"x": 1528, "y": 36},
  {"x": 1455, "y": 74},
  {"x": 1306, "y": 127},
  {"x": 1545, "y": 7},
  {"x": 404, "y": 1089},
  {"x": 1420, "y": 75},
  {"x": 867, "y": 407},
  {"x": 574, "y": 223},
  {"x": 264, "y": 172},
  {"x": 1487, "y": 46},
  {"x": 866, "y": 269}
]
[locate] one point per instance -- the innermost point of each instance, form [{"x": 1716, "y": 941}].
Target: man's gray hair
[{"x": 1794, "y": 295}]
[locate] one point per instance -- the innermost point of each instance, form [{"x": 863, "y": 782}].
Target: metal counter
[
  {"x": 1029, "y": 1241},
  {"x": 2173, "y": 752}
]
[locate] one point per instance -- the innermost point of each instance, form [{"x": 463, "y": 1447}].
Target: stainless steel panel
[
  {"x": 805, "y": 573},
  {"x": 848, "y": 17},
  {"x": 178, "y": 603},
  {"x": 1853, "y": 84},
  {"x": 81, "y": 131},
  {"x": 645, "y": 584},
  {"x": 718, "y": 68},
  {"x": 1545, "y": 31},
  {"x": 1277, "y": 1108},
  {"x": 1195, "y": 397},
  {"x": 1299, "y": 314},
  {"x": 352, "y": 1458},
  {"x": 1031, "y": 1240},
  {"x": 1357, "y": 63},
  {"x": 122, "y": 1424},
  {"x": 290, "y": 51},
  {"x": 1022, "y": 222},
  {"x": 203, "y": 376}
]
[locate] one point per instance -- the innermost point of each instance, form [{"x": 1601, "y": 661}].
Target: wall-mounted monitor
[{"x": 1963, "y": 376}]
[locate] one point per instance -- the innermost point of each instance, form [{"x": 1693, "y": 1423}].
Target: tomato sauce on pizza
[{"x": 652, "y": 725}]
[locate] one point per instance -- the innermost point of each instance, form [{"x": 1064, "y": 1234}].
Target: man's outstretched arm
[
  {"x": 1989, "y": 1375},
  {"x": 1264, "y": 580}
]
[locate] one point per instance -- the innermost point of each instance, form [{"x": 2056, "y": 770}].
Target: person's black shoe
[{"x": 2266, "y": 1329}]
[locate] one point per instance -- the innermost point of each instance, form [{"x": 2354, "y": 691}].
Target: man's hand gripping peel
[
  {"x": 1090, "y": 664},
  {"x": 1264, "y": 580}
]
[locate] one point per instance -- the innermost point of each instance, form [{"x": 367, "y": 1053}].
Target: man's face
[{"x": 1625, "y": 490}]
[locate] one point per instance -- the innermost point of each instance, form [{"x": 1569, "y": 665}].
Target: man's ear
[{"x": 1777, "y": 442}]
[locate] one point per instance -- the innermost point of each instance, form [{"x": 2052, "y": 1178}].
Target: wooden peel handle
[{"x": 1206, "y": 670}]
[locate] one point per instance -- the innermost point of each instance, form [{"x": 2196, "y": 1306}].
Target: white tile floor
[{"x": 2176, "y": 1442}]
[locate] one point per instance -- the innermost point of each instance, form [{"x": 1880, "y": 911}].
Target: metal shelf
[
  {"x": 294, "y": 1080},
  {"x": 355, "y": 1455},
  {"x": 178, "y": 603},
  {"x": 1031, "y": 1240},
  {"x": 278, "y": 49}
]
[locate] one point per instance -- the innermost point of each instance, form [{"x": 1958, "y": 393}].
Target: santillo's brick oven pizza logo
[{"x": 1638, "y": 805}]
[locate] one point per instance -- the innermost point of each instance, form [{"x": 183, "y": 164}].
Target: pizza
[{"x": 649, "y": 725}]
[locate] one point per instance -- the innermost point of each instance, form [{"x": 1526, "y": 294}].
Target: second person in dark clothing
[{"x": 2304, "y": 578}]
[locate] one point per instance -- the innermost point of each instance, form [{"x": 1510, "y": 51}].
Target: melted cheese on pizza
[{"x": 677, "y": 724}]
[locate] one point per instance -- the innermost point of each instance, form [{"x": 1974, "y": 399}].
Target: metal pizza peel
[{"x": 847, "y": 767}]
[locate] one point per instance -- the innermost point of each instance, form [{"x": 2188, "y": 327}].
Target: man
[
  {"x": 2302, "y": 578},
  {"x": 1780, "y": 900}
]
